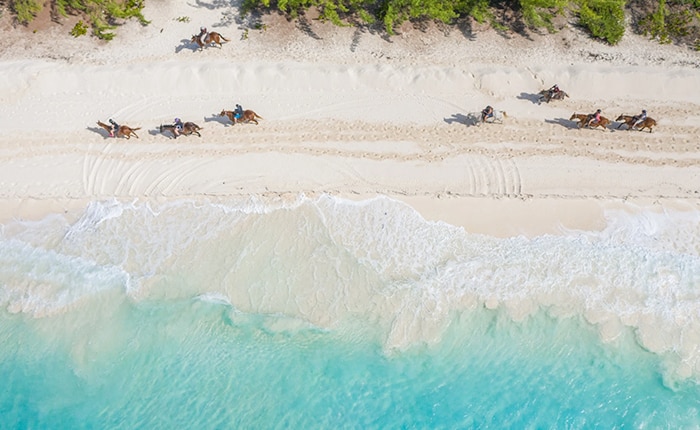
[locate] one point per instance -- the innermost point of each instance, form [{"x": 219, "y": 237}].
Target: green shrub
[
  {"x": 605, "y": 19},
  {"x": 25, "y": 10},
  {"x": 539, "y": 13},
  {"x": 100, "y": 12},
  {"x": 80, "y": 29}
]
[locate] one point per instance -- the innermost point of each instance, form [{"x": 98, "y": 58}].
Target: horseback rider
[
  {"x": 178, "y": 127},
  {"x": 486, "y": 113},
  {"x": 591, "y": 117},
  {"x": 638, "y": 119},
  {"x": 115, "y": 128},
  {"x": 238, "y": 113},
  {"x": 203, "y": 34},
  {"x": 555, "y": 89}
]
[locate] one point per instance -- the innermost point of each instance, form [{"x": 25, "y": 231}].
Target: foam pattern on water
[{"x": 329, "y": 263}]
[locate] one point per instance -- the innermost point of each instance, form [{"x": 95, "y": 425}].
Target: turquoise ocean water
[{"x": 326, "y": 313}]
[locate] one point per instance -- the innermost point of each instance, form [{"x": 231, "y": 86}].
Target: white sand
[{"x": 349, "y": 113}]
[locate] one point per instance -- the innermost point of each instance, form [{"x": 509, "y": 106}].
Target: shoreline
[{"x": 496, "y": 217}]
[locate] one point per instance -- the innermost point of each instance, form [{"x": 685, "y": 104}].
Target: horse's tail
[
  {"x": 137, "y": 128},
  {"x": 223, "y": 38},
  {"x": 505, "y": 115},
  {"x": 257, "y": 116}
]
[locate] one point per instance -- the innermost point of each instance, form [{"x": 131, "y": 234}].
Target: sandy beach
[
  {"x": 364, "y": 257},
  {"x": 348, "y": 113}
]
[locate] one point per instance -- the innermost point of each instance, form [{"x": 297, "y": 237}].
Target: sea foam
[{"x": 328, "y": 263}]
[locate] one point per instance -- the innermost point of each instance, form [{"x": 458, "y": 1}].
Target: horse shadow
[
  {"x": 99, "y": 130},
  {"x": 186, "y": 44},
  {"x": 458, "y": 118},
  {"x": 534, "y": 98},
  {"x": 469, "y": 119},
  {"x": 564, "y": 122},
  {"x": 216, "y": 118},
  {"x": 156, "y": 132}
]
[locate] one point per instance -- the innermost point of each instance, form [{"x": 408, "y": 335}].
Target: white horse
[{"x": 474, "y": 118}]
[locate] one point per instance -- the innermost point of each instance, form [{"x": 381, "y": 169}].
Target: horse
[
  {"x": 496, "y": 117},
  {"x": 210, "y": 38},
  {"x": 583, "y": 119},
  {"x": 547, "y": 96},
  {"x": 647, "y": 123},
  {"x": 123, "y": 131},
  {"x": 187, "y": 129},
  {"x": 248, "y": 116},
  {"x": 630, "y": 122}
]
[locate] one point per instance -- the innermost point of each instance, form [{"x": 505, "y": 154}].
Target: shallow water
[{"x": 326, "y": 313}]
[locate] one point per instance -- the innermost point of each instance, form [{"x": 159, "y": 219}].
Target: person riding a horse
[
  {"x": 555, "y": 89},
  {"x": 202, "y": 33},
  {"x": 594, "y": 116},
  {"x": 638, "y": 119},
  {"x": 115, "y": 128},
  {"x": 177, "y": 127},
  {"x": 486, "y": 113},
  {"x": 238, "y": 113}
]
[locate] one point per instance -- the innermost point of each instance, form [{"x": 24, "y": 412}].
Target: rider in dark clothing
[
  {"x": 639, "y": 118},
  {"x": 238, "y": 113},
  {"x": 486, "y": 113},
  {"x": 178, "y": 127},
  {"x": 115, "y": 128}
]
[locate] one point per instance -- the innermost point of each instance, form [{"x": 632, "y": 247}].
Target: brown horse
[
  {"x": 187, "y": 129},
  {"x": 123, "y": 131},
  {"x": 210, "y": 38},
  {"x": 584, "y": 120},
  {"x": 630, "y": 121},
  {"x": 248, "y": 116},
  {"x": 581, "y": 117}
]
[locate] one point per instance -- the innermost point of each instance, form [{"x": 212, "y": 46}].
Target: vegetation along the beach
[{"x": 668, "y": 21}]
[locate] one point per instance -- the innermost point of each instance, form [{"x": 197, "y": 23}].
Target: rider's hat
[
  {"x": 203, "y": 28},
  {"x": 111, "y": 121},
  {"x": 598, "y": 110},
  {"x": 644, "y": 111},
  {"x": 177, "y": 119}
]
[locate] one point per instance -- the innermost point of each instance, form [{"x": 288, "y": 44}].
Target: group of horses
[
  {"x": 629, "y": 121},
  {"x": 188, "y": 128}
]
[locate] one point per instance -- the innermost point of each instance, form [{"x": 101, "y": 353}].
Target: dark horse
[
  {"x": 187, "y": 129},
  {"x": 123, "y": 131},
  {"x": 630, "y": 122},
  {"x": 248, "y": 116},
  {"x": 210, "y": 38},
  {"x": 547, "y": 96}
]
